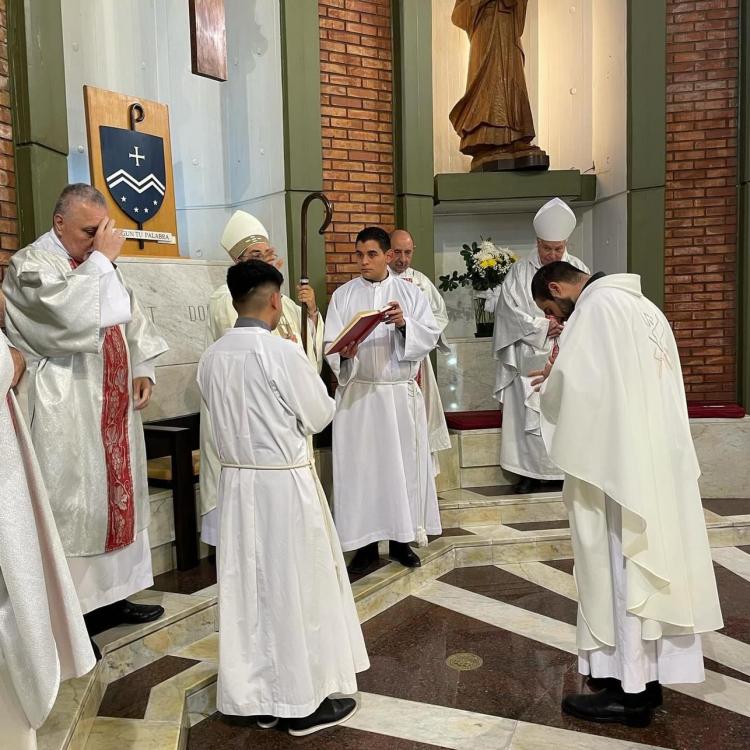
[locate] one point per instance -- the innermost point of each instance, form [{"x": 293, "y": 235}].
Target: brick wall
[
  {"x": 701, "y": 193},
  {"x": 8, "y": 224},
  {"x": 356, "y": 67}
]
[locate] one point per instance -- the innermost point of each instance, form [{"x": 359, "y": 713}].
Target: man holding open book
[{"x": 383, "y": 483}]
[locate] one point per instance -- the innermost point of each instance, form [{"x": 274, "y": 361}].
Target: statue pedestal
[
  {"x": 529, "y": 158},
  {"x": 511, "y": 191}
]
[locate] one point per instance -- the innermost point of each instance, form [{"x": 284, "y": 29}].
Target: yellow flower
[{"x": 489, "y": 263}]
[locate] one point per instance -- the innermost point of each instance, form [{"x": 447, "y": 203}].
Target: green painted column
[
  {"x": 40, "y": 124},
  {"x": 414, "y": 166},
  {"x": 647, "y": 80},
  {"x": 303, "y": 154}
]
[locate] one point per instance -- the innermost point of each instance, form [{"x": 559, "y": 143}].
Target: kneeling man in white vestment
[
  {"x": 383, "y": 479},
  {"x": 289, "y": 635},
  {"x": 91, "y": 351},
  {"x": 614, "y": 419},
  {"x": 245, "y": 238},
  {"x": 43, "y": 639}
]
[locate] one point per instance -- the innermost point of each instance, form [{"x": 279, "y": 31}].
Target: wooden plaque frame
[
  {"x": 208, "y": 39},
  {"x": 111, "y": 108}
]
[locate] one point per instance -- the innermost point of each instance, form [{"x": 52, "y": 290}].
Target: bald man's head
[{"x": 403, "y": 248}]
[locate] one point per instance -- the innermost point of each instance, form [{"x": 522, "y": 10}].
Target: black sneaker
[
  {"x": 609, "y": 707},
  {"x": 364, "y": 558},
  {"x": 329, "y": 713},
  {"x": 404, "y": 554}
]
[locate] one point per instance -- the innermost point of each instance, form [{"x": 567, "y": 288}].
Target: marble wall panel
[
  {"x": 176, "y": 392},
  {"x": 448, "y": 478},
  {"x": 466, "y": 375},
  {"x": 174, "y": 294},
  {"x": 479, "y": 448},
  {"x": 723, "y": 447}
]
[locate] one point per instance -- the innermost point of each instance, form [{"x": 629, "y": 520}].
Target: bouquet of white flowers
[{"x": 486, "y": 267}]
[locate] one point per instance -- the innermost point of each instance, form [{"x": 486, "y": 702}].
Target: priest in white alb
[
  {"x": 383, "y": 479},
  {"x": 289, "y": 636},
  {"x": 614, "y": 418},
  {"x": 524, "y": 338},
  {"x": 245, "y": 238},
  {"x": 402, "y": 245},
  {"x": 43, "y": 639},
  {"x": 90, "y": 351}
]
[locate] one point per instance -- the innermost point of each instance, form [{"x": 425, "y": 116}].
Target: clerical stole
[{"x": 114, "y": 430}]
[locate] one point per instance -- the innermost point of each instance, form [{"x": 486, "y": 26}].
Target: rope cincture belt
[
  {"x": 383, "y": 382},
  {"x": 260, "y": 467}
]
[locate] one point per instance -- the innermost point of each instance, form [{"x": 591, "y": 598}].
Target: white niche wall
[
  {"x": 227, "y": 142},
  {"x": 576, "y": 74}
]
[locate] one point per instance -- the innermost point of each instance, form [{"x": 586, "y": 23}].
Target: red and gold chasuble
[{"x": 114, "y": 430}]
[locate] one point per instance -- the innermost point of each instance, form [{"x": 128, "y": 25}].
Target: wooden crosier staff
[{"x": 303, "y": 275}]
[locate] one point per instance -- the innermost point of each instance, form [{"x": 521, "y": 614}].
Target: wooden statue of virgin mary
[{"x": 493, "y": 118}]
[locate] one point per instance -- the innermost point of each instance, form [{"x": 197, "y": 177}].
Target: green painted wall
[
  {"x": 303, "y": 155},
  {"x": 647, "y": 36},
  {"x": 40, "y": 125},
  {"x": 414, "y": 169}
]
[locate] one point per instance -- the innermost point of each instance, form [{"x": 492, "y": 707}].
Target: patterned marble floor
[
  {"x": 475, "y": 659},
  {"x": 518, "y": 620}
]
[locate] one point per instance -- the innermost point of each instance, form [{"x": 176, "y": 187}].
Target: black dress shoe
[
  {"x": 404, "y": 554},
  {"x": 610, "y": 707},
  {"x": 329, "y": 713},
  {"x": 554, "y": 485},
  {"x": 653, "y": 694},
  {"x": 137, "y": 614},
  {"x": 603, "y": 683},
  {"x": 526, "y": 485},
  {"x": 364, "y": 558}
]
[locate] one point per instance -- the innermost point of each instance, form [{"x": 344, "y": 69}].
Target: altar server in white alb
[
  {"x": 43, "y": 639},
  {"x": 383, "y": 480},
  {"x": 524, "y": 338},
  {"x": 402, "y": 245},
  {"x": 245, "y": 238},
  {"x": 614, "y": 418},
  {"x": 290, "y": 635},
  {"x": 90, "y": 351}
]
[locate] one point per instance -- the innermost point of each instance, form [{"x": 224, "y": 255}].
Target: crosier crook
[{"x": 303, "y": 254}]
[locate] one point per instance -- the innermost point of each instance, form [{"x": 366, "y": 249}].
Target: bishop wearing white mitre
[{"x": 523, "y": 338}]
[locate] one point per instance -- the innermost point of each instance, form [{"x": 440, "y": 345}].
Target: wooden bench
[{"x": 174, "y": 462}]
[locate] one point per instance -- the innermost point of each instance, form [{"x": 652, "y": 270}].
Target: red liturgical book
[{"x": 359, "y": 328}]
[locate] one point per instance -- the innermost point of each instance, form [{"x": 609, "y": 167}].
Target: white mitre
[
  {"x": 241, "y": 231},
  {"x": 554, "y": 221}
]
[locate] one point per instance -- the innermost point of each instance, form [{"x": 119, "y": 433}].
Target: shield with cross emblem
[{"x": 133, "y": 165}]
